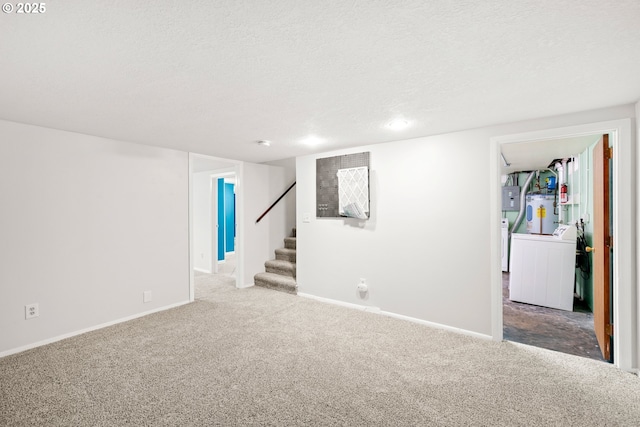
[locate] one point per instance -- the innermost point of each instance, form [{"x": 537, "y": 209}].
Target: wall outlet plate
[
  {"x": 31, "y": 311},
  {"x": 147, "y": 296}
]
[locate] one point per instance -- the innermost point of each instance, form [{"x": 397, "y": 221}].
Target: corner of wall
[{"x": 635, "y": 146}]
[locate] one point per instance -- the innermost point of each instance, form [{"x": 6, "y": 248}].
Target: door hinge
[
  {"x": 609, "y": 329},
  {"x": 610, "y": 153},
  {"x": 610, "y": 244}
]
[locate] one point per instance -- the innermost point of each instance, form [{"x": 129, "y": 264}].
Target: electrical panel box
[{"x": 511, "y": 198}]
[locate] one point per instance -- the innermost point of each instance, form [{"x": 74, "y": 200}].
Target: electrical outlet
[
  {"x": 31, "y": 311},
  {"x": 147, "y": 296}
]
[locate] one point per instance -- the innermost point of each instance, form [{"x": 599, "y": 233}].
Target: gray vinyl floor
[{"x": 559, "y": 330}]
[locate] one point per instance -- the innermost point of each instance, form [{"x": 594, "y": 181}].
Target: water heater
[{"x": 542, "y": 216}]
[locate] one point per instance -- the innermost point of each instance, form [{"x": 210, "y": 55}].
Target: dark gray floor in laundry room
[{"x": 559, "y": 330}]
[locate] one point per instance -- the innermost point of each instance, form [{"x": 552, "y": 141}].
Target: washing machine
[
  {"x": 543, "y": 268},
  {"x": 505, "y": 244}
]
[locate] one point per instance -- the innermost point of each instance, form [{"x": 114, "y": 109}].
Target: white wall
[
  {"x": 87, "y": 224},
  {"x": 419, "y": 250},
  {"x": 258, "y": 187},
  {"x": 425, "y": 251},
  {"x": 289, "y": 201}
]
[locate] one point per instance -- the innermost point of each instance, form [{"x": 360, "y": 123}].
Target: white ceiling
[
  {"x": 213, "y": 77},
  {"x": 537, "y": 155}
]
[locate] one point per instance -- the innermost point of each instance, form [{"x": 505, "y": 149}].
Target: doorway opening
[
  {"x": 223, "y": 218},
  {"x": 506, "y": 150},
  {"x": 547, "y": 281},
  {"x": 216, "y": 256}
]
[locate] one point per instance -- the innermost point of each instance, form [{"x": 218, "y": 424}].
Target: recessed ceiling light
[
  {"x": 264, "y": 143},
  {"x": 398, "y": 124},
  {"x": 312, "y": 140}
]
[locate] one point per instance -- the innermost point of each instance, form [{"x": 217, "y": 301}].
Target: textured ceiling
[{"x": 213, "y": 77}]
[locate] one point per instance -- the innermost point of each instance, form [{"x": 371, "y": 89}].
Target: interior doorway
[
  {"x": 622, "y": 268},
  {"x": 547, "y": 287},
  {"x": 215, "y": 255},
  {"x": 223, "y": 227}
]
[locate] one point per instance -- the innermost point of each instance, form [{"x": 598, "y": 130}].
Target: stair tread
[
  {"x": 285, "y": 250},
  {"x": 276, "y": 282},
  {"x": 280, "y": 263},
  {"x": 286, "y": 254},
  {"x": 276, "y": 278}
]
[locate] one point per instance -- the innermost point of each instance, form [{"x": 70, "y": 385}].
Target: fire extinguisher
[{"x": 563, "y": 194}]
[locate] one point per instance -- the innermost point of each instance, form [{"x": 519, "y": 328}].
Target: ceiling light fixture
[
  {"x": 264, "y": 143},
  {"x": 312, "y": 140},
  {"x": 398, "y": 124}
]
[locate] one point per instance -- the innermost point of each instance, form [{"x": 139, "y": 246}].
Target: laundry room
[{"x": 548, "y": 193}]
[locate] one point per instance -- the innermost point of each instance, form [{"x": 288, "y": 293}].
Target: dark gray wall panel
[{"x": 327, "y": 181}]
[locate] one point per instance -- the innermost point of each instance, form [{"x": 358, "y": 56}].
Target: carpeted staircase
[{"x": 281, "y": 272}]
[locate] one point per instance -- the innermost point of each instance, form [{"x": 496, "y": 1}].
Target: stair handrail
[{"x": 276, "y": 202}]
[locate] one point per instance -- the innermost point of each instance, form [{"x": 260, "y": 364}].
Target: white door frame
[
  {"x": 624, "y": 268},
  {"x": 222, "y": 167}
]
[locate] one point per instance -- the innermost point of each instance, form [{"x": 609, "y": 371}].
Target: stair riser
[
  {"x": 290, "y": 244},
  {"x": 276, "y": 286},
  {"x": 281, "y": 271},
  {"x": 286, "y": 257}
]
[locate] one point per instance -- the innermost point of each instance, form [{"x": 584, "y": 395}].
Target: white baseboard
[
  {"x": 89, "y": 329},
  {"x": 340, "y": 303},
  {"x": 377, "y": 310},
  {"x": 438, "y": 325}
]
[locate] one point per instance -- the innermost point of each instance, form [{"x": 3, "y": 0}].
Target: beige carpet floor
[{"x": 259, "y": 357}]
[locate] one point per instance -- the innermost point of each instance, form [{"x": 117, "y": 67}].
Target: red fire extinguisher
[{"x": 563, "y": 194}]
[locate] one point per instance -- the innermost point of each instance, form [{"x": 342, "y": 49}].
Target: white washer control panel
[{"x": 565, "y": 232}]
